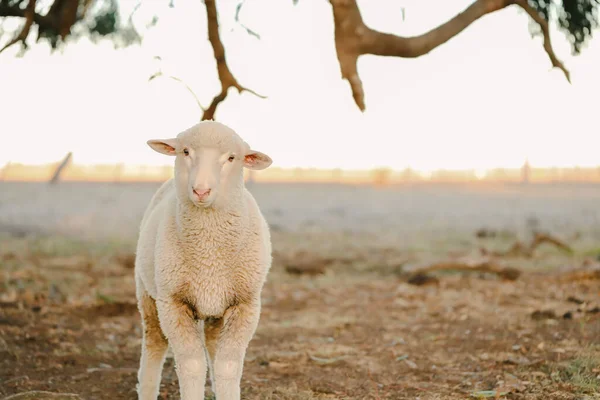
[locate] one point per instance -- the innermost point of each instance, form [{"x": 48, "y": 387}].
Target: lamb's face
[
  {"x": 207, "y": 160},
  {"x": 203, "y": 169}
]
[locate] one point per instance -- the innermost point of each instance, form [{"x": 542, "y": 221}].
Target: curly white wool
[{"x": 203, "y": 254}]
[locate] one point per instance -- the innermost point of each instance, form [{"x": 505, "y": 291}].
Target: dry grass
[{"x": 356, "y": 330}]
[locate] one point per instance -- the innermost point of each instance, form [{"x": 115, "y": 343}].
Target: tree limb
[
  {"x": 354, "y": 38},
  {"x": 60, "y": 18},
  {"x": 29, "y": 15},
  {"x": 225, "y": 76},
  {"x": 556, "y": 63},
  {"x": 68, "y": 17}
]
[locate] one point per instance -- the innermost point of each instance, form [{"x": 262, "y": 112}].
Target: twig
[
  {"x": 60, "y": 168},
  {"x": 581, "y": 275},
  {"x": 546, "y": 33},
  {"x": 22, "y": 36},
  {"x": 237, "y": 19},
  {"x": 225, "y": 75},
  {"x": 520, "y": 249},
  {"x": 189, "y": 89},
  {"x": 506, "y": 273}
]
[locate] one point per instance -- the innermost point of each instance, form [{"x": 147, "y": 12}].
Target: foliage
[{"x": 576, "y": 18}]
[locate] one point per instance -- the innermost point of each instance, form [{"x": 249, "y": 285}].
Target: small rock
[
  {"x": 573, "y": 299},
  {"x": 306, "y": 268},
  {"x": 485, "y": 233},
  {"x": 278, "y": 365},
  {"x": 517, "y": 360},
  {"x": 420, "y": 279},
  {"x": 539, "y": 315}
]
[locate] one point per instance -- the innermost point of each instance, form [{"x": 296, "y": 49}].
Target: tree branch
[
  {"x": 68, "y": 17},
  {"x": 29, "y": 15},
  {"x": 225, "y": 76},
  {"x": 556, "y": 63},
  {"x": 354, "y": 38}
]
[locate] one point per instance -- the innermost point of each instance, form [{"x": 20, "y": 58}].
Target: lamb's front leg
[
  {"x": 185, "y": 333},
  {"x": 239, "y": 324}
]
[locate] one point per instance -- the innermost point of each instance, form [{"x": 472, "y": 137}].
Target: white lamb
[{"x": 203, "y": 254}]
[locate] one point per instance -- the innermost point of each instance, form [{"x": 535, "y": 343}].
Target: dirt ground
[{"x": 343, "y": 315}]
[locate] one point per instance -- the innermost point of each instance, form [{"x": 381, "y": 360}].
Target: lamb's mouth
[{"x": 202, "y": 204}]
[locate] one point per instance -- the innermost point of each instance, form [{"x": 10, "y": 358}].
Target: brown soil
[{"x": 354, "y": 330}]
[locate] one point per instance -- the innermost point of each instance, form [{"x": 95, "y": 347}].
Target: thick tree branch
[
  {"x": 354, "y": 38},
  {"x": 29, "y": 15},
  {"x": 68, "y": 17},
  {"x": 546, "y": 33},
  {"x": 383, "y": 44},
  {"x": 225, "y": 76},
  {"x": 60, "y": 18}
]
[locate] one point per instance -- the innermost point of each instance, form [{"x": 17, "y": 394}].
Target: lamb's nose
[{"x": 201, "y": 193}]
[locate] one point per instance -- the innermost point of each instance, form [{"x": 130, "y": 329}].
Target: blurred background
[{"x": 433, "y": 199}]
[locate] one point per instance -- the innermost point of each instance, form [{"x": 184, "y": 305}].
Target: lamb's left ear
[
  {"x": 164, "y": 146},
  {"x": 256, "y": 160}
]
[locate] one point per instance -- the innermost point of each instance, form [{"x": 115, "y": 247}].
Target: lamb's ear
[
  {"x": 163, "y": 146},
  {"x": 256, "y": 160}
]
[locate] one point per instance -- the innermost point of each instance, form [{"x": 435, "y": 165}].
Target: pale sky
[{"x": 485, "y": 99}]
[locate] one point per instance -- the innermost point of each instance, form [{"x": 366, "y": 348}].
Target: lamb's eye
[
  {"x": 231, "y": 158},
  {"x": 186, "y": 152}
]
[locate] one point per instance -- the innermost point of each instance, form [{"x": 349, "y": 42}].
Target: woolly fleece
[{"x": 200, "y": 271}]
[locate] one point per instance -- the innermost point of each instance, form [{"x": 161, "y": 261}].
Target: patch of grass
[
  {"x": 582, "y": 372},
  {"x": 63, "y": 246},
  {"x": 591, "y": 252}
]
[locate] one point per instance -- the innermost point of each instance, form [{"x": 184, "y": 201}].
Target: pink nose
[{"x": 201, "y": 193}]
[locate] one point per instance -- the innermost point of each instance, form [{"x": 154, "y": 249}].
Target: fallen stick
[
  {"x": 60, "y": 168},
  {"x": 505, "y": 273},
  {"x": 520, "y": 249},
  {"x": 580, "y": 275}
]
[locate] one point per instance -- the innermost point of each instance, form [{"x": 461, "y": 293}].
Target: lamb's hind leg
[
  {"x": 181, "y": 325},
  {"x": 154, "y": 347}
]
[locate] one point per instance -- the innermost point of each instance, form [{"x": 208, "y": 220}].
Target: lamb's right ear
[{"x": 164, "y": 146}]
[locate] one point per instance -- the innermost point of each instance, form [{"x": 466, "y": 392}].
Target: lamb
[{"x": 203, "y": 255}]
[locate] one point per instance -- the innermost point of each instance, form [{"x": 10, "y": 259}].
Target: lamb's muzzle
[{"x": 201, "y": 193}]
